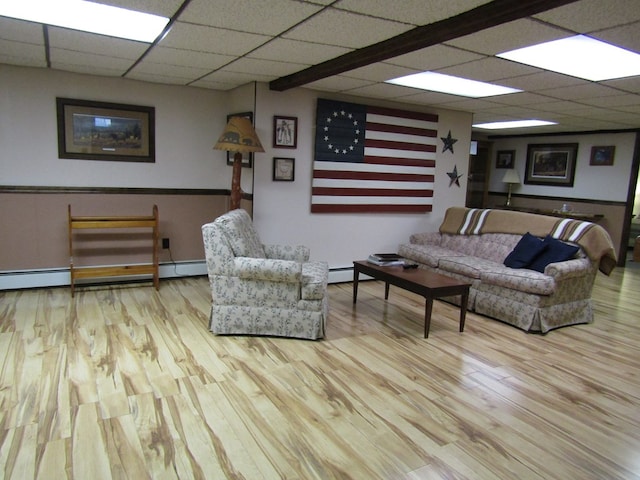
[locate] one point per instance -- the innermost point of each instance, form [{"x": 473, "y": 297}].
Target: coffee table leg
[
  {"x": 427, "y": 316},
  {"x": 356, "y": 275},
  {"x": 386, "y": 290},
  {"x": 463, "y": 308}
]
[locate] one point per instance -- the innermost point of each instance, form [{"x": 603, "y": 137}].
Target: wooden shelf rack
[{"x": 107, "y": 222}]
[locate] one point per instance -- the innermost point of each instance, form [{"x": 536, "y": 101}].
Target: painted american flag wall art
[{"x": 373, "y": 159}]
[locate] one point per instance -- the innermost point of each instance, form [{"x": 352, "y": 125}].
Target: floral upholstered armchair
[{"x": 261, "y": 289}]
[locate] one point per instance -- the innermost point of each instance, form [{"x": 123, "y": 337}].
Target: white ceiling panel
[
  {"x": 295, "y": 51},
  {"x": 592, "y": 15},
  {"x": 336, "y": 27},
  {"x": 96, "y": 44},
  {"x": 265, "y": 67},
  {"x": 512, "y": 35},
  {"x": 415, "y": 12},
  {"x": 434, "y": 58},
  {"x": 489, "y": 69},
  {"x": 214, "y": 40},
  {"x": 19, "y": 31},
  {"x": 281, "y": 14},
  {"x": 187, "y": 58},
  {"x": 23, "y": 54},
  {"x": 61, "y": 57}
]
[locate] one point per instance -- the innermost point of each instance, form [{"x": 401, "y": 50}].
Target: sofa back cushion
[
  {"x": 242, "y": 237},
  {"x": 465, "y": 244},
  {"x": 496, "y": 246},
  {"x": 554, "y": 251},
  {"x": 525, "y": 251}
]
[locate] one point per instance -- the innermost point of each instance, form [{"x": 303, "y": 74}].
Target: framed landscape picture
[
  {"x": 551, "y": 164},
  {"x": 89, "y": 130}
]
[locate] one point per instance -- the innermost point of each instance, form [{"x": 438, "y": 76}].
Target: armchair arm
[
  {"x": 249, "y": 268},
  {"x": 299, "y": 253}
]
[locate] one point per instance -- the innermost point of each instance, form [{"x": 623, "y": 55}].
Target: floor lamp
[
  {"x": 239, "y": 137},
  {"x": 511, "y": 178}
]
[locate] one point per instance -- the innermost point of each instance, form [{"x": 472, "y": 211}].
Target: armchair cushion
[
  {"x": 242, "y": 237},
  {"x": 299, "y": 253}
]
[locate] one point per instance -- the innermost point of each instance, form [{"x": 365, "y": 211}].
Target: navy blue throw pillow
[
  {"x": 525, "y": 251},
  {"x": 554, "y": 251}
]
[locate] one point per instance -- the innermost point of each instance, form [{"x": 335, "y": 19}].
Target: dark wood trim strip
[
  {"x": 611, "y": 203},
  {"x": 116, "y": 190},
  {"x": 480, "y": 18}
]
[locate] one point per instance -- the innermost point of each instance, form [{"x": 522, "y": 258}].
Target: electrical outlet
[{"x": 165, "y": 243}]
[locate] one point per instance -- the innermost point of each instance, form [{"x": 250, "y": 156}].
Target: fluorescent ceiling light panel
[
  {"x": 579, "y": 56},
  {"x": 87, "y": 17},
  {"x": 438, "y": 82},
  {"x": 513, "y": 124}
]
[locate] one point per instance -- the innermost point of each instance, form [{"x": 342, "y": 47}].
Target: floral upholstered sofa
[
  {"x": 261, "y": 289},
  {"x": 532, "y": 271}
]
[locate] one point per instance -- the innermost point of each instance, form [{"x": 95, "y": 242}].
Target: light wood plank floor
[{"x": 126, "y": 382}]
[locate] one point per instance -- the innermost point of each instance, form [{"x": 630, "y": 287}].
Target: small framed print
[
  {"x": 602, "y": 155},
  {"x": 285, "y": 132},
  {"x": 284, "y": 169},
  {"x": 247, "y": 158},
  {"x": 505, "y": 158}
]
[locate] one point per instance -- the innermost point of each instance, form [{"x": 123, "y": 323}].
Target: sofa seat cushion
[
  {"x": 315, "y": 276},
  {"x": 429, "y": 255},
  {"x": 470, "y": 267},
  {"x": 523, "y": 280}
]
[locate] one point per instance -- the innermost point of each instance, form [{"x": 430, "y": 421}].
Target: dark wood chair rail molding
[
  {"x": 117, "y": 190},
  {"x": 480, "y": 18}
]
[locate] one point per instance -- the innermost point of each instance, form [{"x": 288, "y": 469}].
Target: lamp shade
[
  {"x": 511, "y": 176},
  {"x": 239, "y": 136}
]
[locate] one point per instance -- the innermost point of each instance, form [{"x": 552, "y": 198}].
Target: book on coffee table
[{"x": 385, "y": 259}]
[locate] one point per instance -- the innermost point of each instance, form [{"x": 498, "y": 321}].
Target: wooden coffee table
[{"x": 429, "y": 284}]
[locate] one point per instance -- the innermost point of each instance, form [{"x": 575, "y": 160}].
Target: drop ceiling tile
[
  {"x": 613, "y": 101},
  {"x": 20, "y": 31},
  {"x": 350, "y": 30},
  {"x": 101, "y": 70},
  {"x": 236, "y": 78},
  {"x": 512, "y": 35},
  {"x": 281, "y": 14},
  {"x": 187, "y": 58},
  {"x": 626, "y": 37},
  {"x": 415, "y": 12},
  {"x": 433, "y": 58},
  {"x": 577, "y": 92},
  {"x": 629, "y": 84},
  {"x": 83, "y": 60},
  {"x": 338, "y": 83},
  {"x": 212, "y": 40},
  {"x": 63, "y": 38},
  {"x": 522, "y": 98},
  {"x": 214, "y": 85},
  {"x": 295, "y": 51},
  {"x": 428, "y": 98},
  {"x": 378, "y": 72},
  {"x": 544, "y": 81},
  {"x": 157, "y": 78},
  {"x": 188, "y": 74},
  {"x": 490, "y": 69},
  {"x": 265, "y": 67},
  {"x": 589, "y": 15},
  {"x": 380, "y": 90},
  {"x": 24, "y": 54},
  {"x": 471, "y": 104}
]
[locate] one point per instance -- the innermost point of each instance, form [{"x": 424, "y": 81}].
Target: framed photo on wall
[
  {"x": 285, "y": 132},
  {"x": 505, "y": 158},
  {"x": 247, "y": 158},
  {"x": 602, "y": 155},
  {"x": 89, "y": 130},
  {"x": 284, "y": 169},
  {"x": 551, "y": 164}
]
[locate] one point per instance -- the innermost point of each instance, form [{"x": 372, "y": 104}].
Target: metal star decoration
[
  {"x": 448, "y": 142},
  {"x": 454, "y": 177}
]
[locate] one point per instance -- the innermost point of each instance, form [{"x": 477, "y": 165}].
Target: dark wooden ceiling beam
[{"x": 480, "y": 18}]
